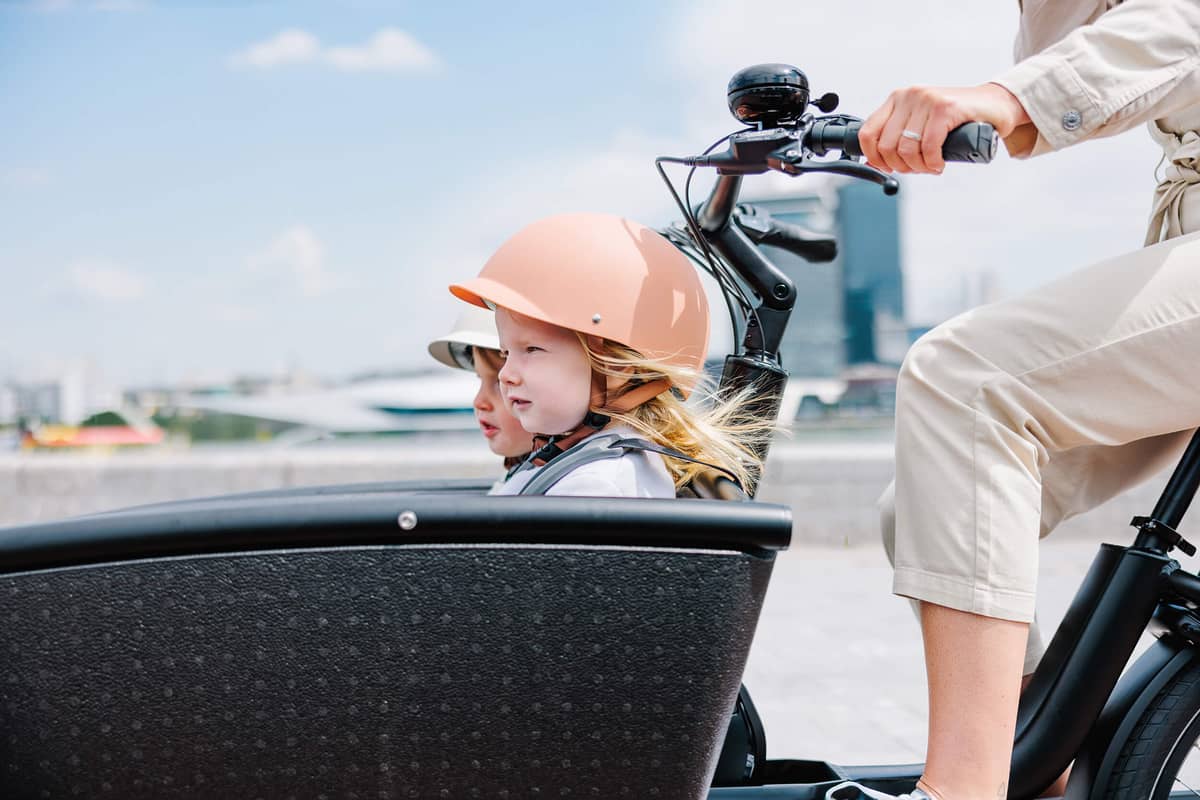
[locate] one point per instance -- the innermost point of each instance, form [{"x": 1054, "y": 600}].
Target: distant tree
[{"x": 104, "y": 418}]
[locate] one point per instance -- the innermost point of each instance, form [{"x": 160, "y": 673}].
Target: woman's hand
[{"x": 907, "y": 132}]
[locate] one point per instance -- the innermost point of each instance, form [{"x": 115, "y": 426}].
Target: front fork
[{"x": 1178, "y": 629}]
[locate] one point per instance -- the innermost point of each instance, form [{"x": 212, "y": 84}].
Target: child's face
[
  {"x": 547, "y": 378},
  {"x": 504, "y": 434}
]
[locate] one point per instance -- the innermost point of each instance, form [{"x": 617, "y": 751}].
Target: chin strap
[
  {"x": 547, "y": 448},
  {"x": 512, "y": 463}
]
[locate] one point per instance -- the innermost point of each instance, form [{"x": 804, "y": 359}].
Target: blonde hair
[
  {"x": 488, "y": 356},
  {"x": 721, "y": 431}
]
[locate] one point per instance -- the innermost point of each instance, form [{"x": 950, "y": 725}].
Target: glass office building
[{"x": 851, "y": 310}]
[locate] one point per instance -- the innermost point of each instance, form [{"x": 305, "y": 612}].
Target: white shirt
[{"x": 634, "y": 474}]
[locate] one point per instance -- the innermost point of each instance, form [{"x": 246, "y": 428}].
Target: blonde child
[
  {"x": 473, "y": 345},
  {"x": 603, "y": 325}
]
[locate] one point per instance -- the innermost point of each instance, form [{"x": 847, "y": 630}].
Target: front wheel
[{"x": 1152, "y": 765}]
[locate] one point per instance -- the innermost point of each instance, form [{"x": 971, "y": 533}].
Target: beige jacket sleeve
[{"x": 1136, "y": 62}]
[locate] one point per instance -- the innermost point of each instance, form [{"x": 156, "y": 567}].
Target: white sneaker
[{"x": 853, "y": 791}]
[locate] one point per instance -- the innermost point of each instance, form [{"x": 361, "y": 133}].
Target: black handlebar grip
[{"x": 973, "y": 142}]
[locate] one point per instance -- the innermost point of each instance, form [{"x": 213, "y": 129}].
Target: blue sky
[{"x": 192, "y": 189}]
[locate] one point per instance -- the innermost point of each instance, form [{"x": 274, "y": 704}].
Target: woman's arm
[{"x": 1137, "y": 62}]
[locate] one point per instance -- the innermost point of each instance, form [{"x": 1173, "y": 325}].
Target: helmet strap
[{"x": 630, "y": 396}]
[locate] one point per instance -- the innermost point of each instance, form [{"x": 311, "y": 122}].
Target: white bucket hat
[{"x": 475, "y": 327}]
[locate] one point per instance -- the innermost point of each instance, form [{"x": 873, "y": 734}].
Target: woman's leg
[
  {"x": 1035, "y": 645},
  {"x": 1073, "y": 483},
  {"x": 974, "y": 669},
  {"x": 1100, "y": 359}
]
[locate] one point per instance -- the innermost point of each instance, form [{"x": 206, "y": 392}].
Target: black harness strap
[{"x": 650, "y": 447}]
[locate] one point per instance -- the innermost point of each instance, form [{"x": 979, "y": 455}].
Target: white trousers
[
  {"x": 1016, "y": 416},
  {"x": 1066, "y": 397}
]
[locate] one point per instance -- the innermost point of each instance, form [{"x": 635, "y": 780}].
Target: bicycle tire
[{"x": 1160, "y": 742}]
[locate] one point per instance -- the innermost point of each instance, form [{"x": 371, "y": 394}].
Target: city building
[
  {"x": 850, "y": 310},
  {"x": 848, "y": 332},
  {"x": 814, "y": 344},
  {"x": 8, "y": 405},
  {"x": 868, "y": 226}
]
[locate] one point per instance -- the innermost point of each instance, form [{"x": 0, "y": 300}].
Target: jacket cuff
[{"x": 1060, "y": 107}]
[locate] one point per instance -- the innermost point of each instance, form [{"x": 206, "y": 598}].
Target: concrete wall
[{"x": 831, "y": 488}]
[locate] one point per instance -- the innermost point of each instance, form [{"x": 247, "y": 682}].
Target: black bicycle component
[
  {"x": 763, "y": 229},
  {"x": 1174, "y": 619},
  {"x": 751, "y": 152},
  {"x": 1159, "y": 536},
  {"x": 745, "y": 746},
  {"x": 1082, "y": 664},
  {"x": 796, "y": 152},
  {"x": 793, "y": 161},
  {"x": 765, "y": 329},
  {"x": 768, "y": 380},
  {"x": 1181, "y": 488},
  {"x": 972, "y": 142},
  {"x": 769, "y": 95},
  {"x": 827, "y": 102},
  {"x": 1094, "y": 775},
  {"x": 1186, "y": 585},
  {"x": 1162, "y": 739},
  {"x": 775, "y": 290},
  {"x": 1157, "y": 531}
]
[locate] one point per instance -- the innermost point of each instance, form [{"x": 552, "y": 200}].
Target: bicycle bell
[{"x": 772, "y": 95}]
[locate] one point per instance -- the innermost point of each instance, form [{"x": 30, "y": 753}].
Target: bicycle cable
[
  {"x": 710, "y": 265},
  {"x": 687, "y": 199},
  {"x": 728, "y": 283}
]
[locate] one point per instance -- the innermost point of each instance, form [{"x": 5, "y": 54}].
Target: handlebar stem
[{"x": 718, "y": 209}]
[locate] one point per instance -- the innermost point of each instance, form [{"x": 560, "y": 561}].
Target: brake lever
[
  {"x": 747, "y": 152},
  {"x": 793, "y": 159}
]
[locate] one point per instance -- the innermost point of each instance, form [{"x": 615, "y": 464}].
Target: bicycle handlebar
[
  {"x": 773, "y": 100},
  {"x": 972, "y": 142}
]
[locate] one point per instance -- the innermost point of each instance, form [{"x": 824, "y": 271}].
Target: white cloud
[
  {"x": 298, "y": 254},
  {"x": 291, "y": 46},
  {"x": 387, "y": 50},
  {"x": 99, "y": 280}
]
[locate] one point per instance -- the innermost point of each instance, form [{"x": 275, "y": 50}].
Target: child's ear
[{"x": 595, "y": 343}]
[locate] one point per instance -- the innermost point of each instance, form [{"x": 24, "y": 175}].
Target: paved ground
[{"x": 836, "y": 669}]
